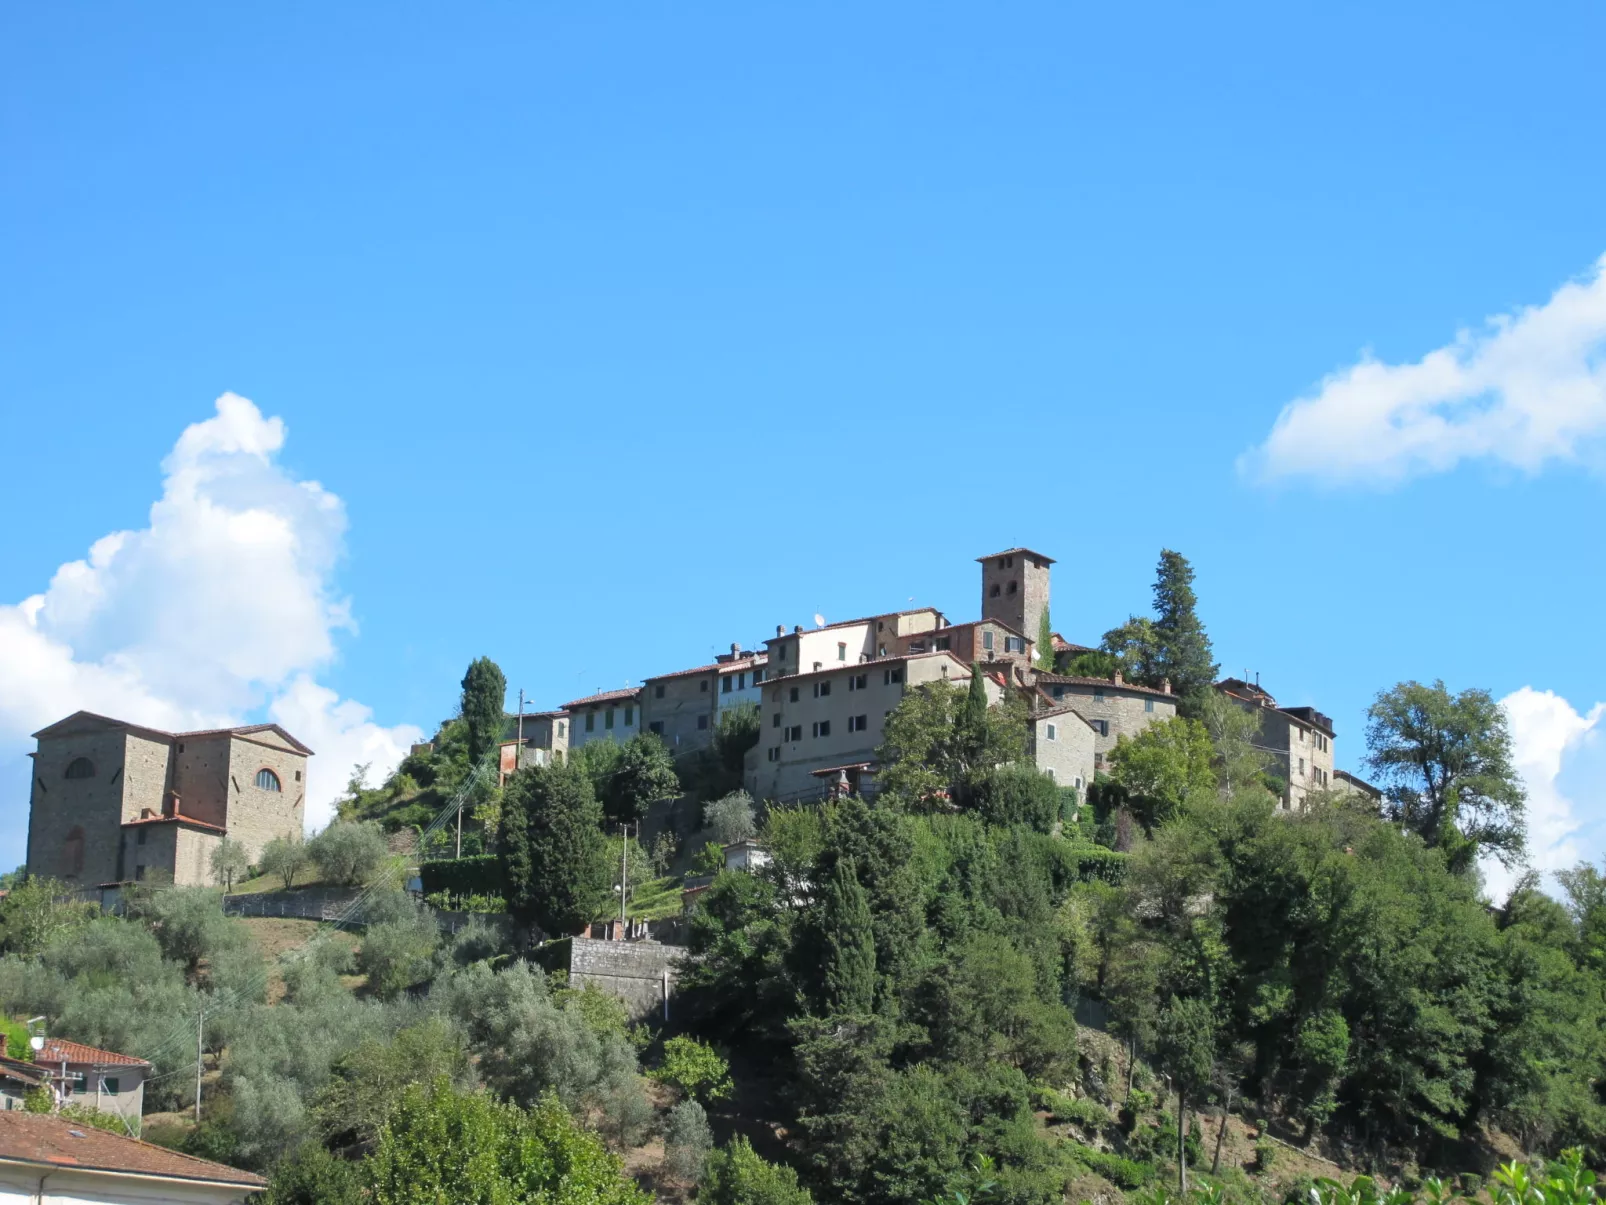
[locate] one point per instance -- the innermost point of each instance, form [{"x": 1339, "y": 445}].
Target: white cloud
[
  {"x": 220, "y": 609},
  {"x": 1529, "y": 388},
  {"x": 1546, "y": 734}
]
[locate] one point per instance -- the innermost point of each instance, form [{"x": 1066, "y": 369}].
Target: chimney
[
  {"x": 797, "y": 629},
  {"x": 780, "y": 630},
  {"x": 1117, "y": 678},
  {"x": 735, "y": 648},
  {"x": 1165, "y": 685}
]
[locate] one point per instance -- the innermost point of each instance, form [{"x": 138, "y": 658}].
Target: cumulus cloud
[
  {"x": 220, "y": 610},
  {"x": 1547, "y": 734},
  {"x": 1528, "y": 388}
]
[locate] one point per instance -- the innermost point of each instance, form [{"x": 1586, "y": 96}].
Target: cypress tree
[
  {"x": 849, "y": 944},
  {"x": 1045, "y": 642},
  {"x": 554, "y": 856},
  {"x": 484, "y": 706},
  {"x": 1182, "y": 647}
]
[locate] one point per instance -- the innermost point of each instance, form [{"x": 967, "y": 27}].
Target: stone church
[{"x": 114, "y": 802}]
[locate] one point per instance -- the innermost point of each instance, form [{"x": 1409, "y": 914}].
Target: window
[
  {"x": 858, "y": 681},
  {"x": 1009, "y": 562},
  {"x": 858, "y": 723},
  {"x": 794, "y": 694},
  {"x": 1011, "y": 588},
  {"x": 994, "y": 592},
  {"x": 774, "y": 752},
  {"x": 702, "y": 722},
  {"x": 841, "y": 651},
  {"x": 139, "y": 874},
  {"x": 889, "y": 676},
  {"x": 1102, "y": 727},
  {"x": 703, "y": 686},
  {"x": 1053, "y": 733},
  {"x": 1148, "y": 704},
  {"x": 795, "y": 732},
  {"x": 725, "y": 685},
  {"x": 1302, "y": 767},
  {"x": 1098, "y": 696},
  {"x": 917, "y": 646},
  {"x": 881, "y": 650},
  {"x": 591, "y": 721},
  {"x": 140, "y": 840},
  {"x": 822, "y": 689},
  {"x": 1050, "y": 771},
  {"x": 81, "y": 1083},
  {"x": 607, "y": 718},
  {"x": 1014, "y": 644},
  {"x": 822, "y": 728},
  {"x": 112, "y": 1085},
  {"x": 987, "y": 640},
  {"x": 80, "y": 767},
  {"x": 267, "y": 780},
  {"x": 658, "y": 692},
  {"x": 775, "y": 720},
  {"x": 298, "y": 775},
  {"x": 741, "y": 680},
  {"x": 630, "y": 716},
  {"x": 656, "y": 726},
  {"x": 560, "y": 727},
  {"x": 1301, "y": 736},
  {"x": 758, "y": 676},
  {"x": 942, "y": 644},
  {"x": 1059, "y": 692}
]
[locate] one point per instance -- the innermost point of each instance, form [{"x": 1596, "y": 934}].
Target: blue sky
[{"x": 614, "y": 336}]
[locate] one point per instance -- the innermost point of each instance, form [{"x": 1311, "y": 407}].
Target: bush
[
  {"x": 285, "y": 858},
  {"x": 1087, "y": 1114},
  {"x": 730, "y": 818},
  {"x": 1265, "y": 1155},
  {"x": 188, "y": 923},
  {"x": 1016, "y": 794},
  {"x": 1123, "y": 1173},
  {"x": 396, "y": 954},
  {"x": 348, "y": 852},
  {"x": 695, "y": 1068},
  {"x": 481, "y": 875},
  {"x": 737, "y": 1176},
  {"x": 312, "y": 1176},
  {"x": 687, "y": 1141}
]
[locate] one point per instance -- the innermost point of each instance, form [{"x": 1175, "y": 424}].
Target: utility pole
[
  {"x": 200, "y": 1027},
  {"x": 624, "y": 878}
]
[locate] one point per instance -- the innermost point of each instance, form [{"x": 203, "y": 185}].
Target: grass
[
  {"x": 272, "y": 882},
  {"x": 657, "y": 900}
]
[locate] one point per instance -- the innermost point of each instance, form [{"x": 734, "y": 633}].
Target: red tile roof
[
  {"x": 848, "y": 623},
  {"x": 719, "y": 667},
  {"x": 850, "y": 666},
  {"x": 1104, "y": 684},
  {"x": 43, "y": 1140},
  {"x": 59, "y": 1049},
  {"x": 216, "y": 828},
  {"x": 242, "y": 730},
  {"x": 607, "y": 696}
]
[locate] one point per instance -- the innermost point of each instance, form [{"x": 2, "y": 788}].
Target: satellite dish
[
  {"x": 36, "y": 1042},
  {"x": 819, "y": 620}
]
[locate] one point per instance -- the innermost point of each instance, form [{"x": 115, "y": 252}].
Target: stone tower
[{"x": 1014, "y": 588}]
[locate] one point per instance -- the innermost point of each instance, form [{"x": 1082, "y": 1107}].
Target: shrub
[
  {"x": 730, "y": 818},
  {"x": 1123, "y": 1173},
  {"x": 396, "y": 954},
  {"x": 1265, "y": 1155},
  {"x": 480, "y": 875},
  {"x": 286, "y": 858},
  {"x": 348, "y": 852},
  {"x": 312, "y": 1176},
  {"x": 1087, "y": 1114},
  {"x": 188, "y": 923},
  {"x": 1016, "y": 794},
  {"x": 687, "y": 1141},
  {"x": 737, "y": 1176},
  {"x": 16, "y": 1037},
  {"x": 695, "y": 1068}
]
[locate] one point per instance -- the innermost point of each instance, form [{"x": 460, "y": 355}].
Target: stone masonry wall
[
  {"x": 255, "y": 816},
  {"x": 74, "y": 823},
  {"x": 633, "y": 972}
]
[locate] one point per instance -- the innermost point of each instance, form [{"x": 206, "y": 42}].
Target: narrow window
[
  {"x": 630, "y": 716},
  {"x": 775, "y": 753},
  {"x": 702, "y": 722},
  {"x": 560, "y": 727},
  {"x": 591, "y": 721},
  {"x": 140, "y": 840},
  {"x": 725, "y": 684},
  {"x": 993, "y": 593},
  {"x": 703, "y": 686},
  {"x": 987, "y": 640},
  {"x": 607, "y": 718},
  {"x": 775, "y": 720},
  {"x": 841, "y": 651},
  {"x": 267, "y": 780},
  {"x": 1148, "y": 704},
  {"x": 1053, "y": 733},
  {"x": 80, "y": 767},
  {"x": 657, "y": 692},
  {"x": 1011, "y": 587},
  {"x": 794, "y": 694}
]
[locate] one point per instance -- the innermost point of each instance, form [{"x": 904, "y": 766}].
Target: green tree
[
  {"x": 735, "y": 732},
  {"x": 850, "y": 971},
  {"x": 553, "y": 853},
  {"x": 730, "y": 818},
  {"x": 37, "y": 911},
  {"x": 938, "y": 738},
  {"x": 1445, "y": 762},
  {"x": 396, "y": 952},
  {"x": 735, "y": 1175},
  {"x": 1163, "y": 767},
  {"x": 467, "y": 1148},
  {"x": 644, "y": 774},
  {"x": 229, "y": 861},
  {"x": 695, "y": 1068},
  {"x": 1234, "y": 734},
  {"x": 188, "y": 923},
  {"x": 348, "y": 853},
  {"x": 1184, "y": 654},
  {"x": 687, "y": 1141},
  {"x": 1187, "y": 1050},
  {"x": 313, "y": 1176},
  {"x": 285, "y": 857},
  {"x": 484, "y": 707},
  {"x": 366, "y": 1083},
  {"x": 1045, "y": 642}
]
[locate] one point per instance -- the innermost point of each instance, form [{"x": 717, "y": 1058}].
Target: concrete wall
[{"x": 634, "y": 972}]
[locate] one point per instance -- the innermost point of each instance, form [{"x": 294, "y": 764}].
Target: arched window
[
  {"x": 80, "y": 767},
  {"x": 267, "y": 780}
]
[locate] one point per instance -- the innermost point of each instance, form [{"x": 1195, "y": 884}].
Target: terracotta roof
[
  {"x": 607, "y": 696},
  {"x": 840, "y": 666},
  {"x": 535, "y": 715},
  {"x": 1057, "y": 709},
  {"x": 24, "y": 1073},
  {"x": 1011, "y": 551},
  {"x": 1105, "y": 684},
  {"x": 58, "y": 1049},
  {"x": 719, "y": 667},
  {"x": 1062, "y": 645},
  {"x": 216, "y": 828},
  {"x": 47, "y": 1141},
  {"x": 242, "y": 730}
]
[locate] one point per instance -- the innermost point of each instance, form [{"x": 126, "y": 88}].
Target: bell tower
[{"x": 1014, "y": 588}]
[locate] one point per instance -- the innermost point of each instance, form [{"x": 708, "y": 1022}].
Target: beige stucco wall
[
  {"x": 626, "y": 721},
  {"x": 1069, "y": 755},
  {"x": 94, "y": 1092}
]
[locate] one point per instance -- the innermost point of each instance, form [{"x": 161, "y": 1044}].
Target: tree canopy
[
  {"x": 553, "y": 852},
  {"x": 484, "y": 706}
]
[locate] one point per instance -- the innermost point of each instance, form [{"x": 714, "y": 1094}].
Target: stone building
[
  {"x": 1061, "y": 743},
  {"x": 683, "y": 707},
  {"x": 613, "y": 715},
  {"x": 1112, "y": 707},
  {"x": 1014, "y": 588},
  {"x": 540, "y": 738},
  {"x": 1298, "y": 740},
  {"x": 115, "y": 802}
]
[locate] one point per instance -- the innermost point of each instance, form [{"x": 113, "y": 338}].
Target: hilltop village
[{"x": 893, "y": 911}]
